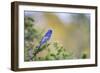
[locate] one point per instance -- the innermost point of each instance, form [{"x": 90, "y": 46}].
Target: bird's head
[{"x": 50, "y": 31}]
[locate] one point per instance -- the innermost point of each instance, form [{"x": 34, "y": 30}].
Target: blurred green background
[{"x": 70, "y": 38}]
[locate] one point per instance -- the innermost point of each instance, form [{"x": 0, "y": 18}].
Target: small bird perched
[{"x": 44, "y": 39}]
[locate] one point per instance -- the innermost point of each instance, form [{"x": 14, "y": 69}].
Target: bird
[{"x": 44, "y": 40}]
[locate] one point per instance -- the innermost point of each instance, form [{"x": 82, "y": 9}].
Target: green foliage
[
  {"x": 84, "y": 56},
  {"x": 31, "y": 37},
  {"x": 55, "y": 53}
]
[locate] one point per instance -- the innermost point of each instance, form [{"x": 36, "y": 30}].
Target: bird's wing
[{"x": 44, "y": 39}]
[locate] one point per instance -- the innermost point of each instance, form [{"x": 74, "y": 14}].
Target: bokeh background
[{"x": 70, "y": 38}]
